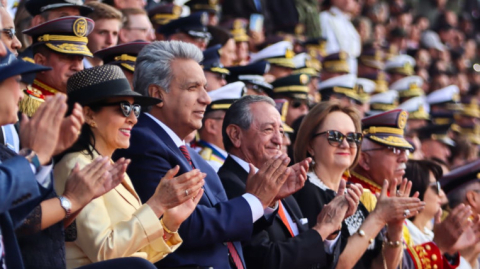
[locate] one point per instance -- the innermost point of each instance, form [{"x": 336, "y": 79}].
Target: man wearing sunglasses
[
  {"x": 293, "y": 88},
  {"x": 384, "y": 155}
]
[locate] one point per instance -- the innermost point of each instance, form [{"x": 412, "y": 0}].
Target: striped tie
[{"x": 185, "y": 153}]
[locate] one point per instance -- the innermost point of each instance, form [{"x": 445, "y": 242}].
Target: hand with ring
[
  {"x": 176, "y": 190},
  {"x": 395, "y": 208}
]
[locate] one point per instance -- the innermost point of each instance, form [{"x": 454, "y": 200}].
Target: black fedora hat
[
  {"x": 99, "y": 83},
  {"x": 11, "y": 66}
]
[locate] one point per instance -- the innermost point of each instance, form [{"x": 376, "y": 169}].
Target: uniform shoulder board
[{"x": 206, "y": 153}]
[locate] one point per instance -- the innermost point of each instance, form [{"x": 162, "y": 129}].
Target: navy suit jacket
[
  {"x": 274, "y": 248},
  {"x": 215, "y": 220},
  {"x": 19, "y": 194}
]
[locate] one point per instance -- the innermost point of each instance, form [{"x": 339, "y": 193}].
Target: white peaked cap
[
  {"x": 447, "y": 94},
  {"x": 345, "y": 81},
  {"x": 414, "y": 104},
  {"x": 233, "y": 90},
  {"x": 278, "y": 49},
  {"x": 368, "y": 85},
  {"x": 399, "y": 61},
  {"x": 404, "y": 83}
]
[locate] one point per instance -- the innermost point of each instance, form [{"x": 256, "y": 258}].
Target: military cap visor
[
  {"x": 436, "y": 132},
  {"x": 194, "y": 25},
  {"x": 11, "y": 66},
  {"x": 66, "y": 35},
  {"x": 387, "y": 129},
  {"x": 36, "y": 7},
  {"x": 123, "y": 55},
  {"x": 461, "y": 176}
]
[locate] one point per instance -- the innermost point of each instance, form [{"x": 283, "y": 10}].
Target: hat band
[
  {"x": 68, "y": 48},
  {"x": 382, "y": 86},
  {"x": 307, "y": 70},
  {"x": 166, "y": 16},
  {"x": 125, "y": 57},
  {"x": 418, "y": 115},
  {"x": 285, "y": 62},
  {"x": 129, "y": 67},
  {"x": 93, "y": 93},
  {"x": 401, "y": 70},
  {"x": 346, "y": 91},
  {"x": 66, "y": 38},
  {"x": 384, "y": 107},
  {"x": 219, "y": 70},
  {"x": 383, "y": 130},
  {"x": 203, "y": 6},
  {"x": 220, "y": 106},
  {"x": 303, "y": 89}
]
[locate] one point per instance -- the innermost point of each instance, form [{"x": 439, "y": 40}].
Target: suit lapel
[
  {"x": 233, "y": 166},
  {"x": 294, "y": 213},
  {"x": 127, "y": 192}
]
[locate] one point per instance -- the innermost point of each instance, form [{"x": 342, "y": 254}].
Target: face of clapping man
[
  {"x": 63, "y": 67},
  {"x": 185, "y": 103},
  {"x": 7, "y": 34},
  {"x": 263, "y": 140},
  {"x": 381, "y": 162}
]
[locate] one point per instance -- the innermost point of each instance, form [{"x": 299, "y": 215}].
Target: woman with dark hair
[
  {"x": 424, "y": 175},
  {"x": 331, "y": 135},
  {"x": 117, "y": 224}
]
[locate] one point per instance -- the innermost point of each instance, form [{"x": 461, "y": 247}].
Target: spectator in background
[
  {"x": 7, "y": 34},
  {"x": 137, "y": 26},
  {"x": 220, "y": 36},
  {"x": 108, "y": 22}
]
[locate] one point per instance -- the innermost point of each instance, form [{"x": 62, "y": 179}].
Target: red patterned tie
[
  {"x": 231, "y": 248},
  {"x": 185, "y": 153},
  {"x": 234, "y": 255}
]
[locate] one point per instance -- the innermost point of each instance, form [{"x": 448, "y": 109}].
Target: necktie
[
  {"x": 283, "y": 216},
  {"x": 185, "y": 153},
  {"x": 231, "y": 248}
]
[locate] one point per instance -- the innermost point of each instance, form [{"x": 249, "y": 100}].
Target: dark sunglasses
[
  {"x": 10, "y": 32},
  {"x": 335, "y": 138},
  {"x": 126, "y": 108},
  {"x": 296, "y": 103},
  {"x": 436, "y": 186}
]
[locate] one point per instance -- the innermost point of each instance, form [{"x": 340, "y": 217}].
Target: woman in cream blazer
[{"x": 117, "y": 224}]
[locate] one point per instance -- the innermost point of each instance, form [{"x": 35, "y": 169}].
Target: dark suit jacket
[
  {"x": 274, "y": 247},
  {"x": 19, "y": 193},
  {"x": 215, "y": 220}
]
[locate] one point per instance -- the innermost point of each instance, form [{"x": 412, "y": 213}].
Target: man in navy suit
[{"x": 170, "y": 70}]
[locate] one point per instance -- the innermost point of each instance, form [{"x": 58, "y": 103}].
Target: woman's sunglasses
[
  {"x": 127, "y": 108},
  {"x": 436, "y": 186},
  {"x": 335, "y": 138}
]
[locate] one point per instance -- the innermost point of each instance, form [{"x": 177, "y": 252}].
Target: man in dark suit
[
  {"x": 170, "y": 70},
  {"x": 288, "y": 243}
]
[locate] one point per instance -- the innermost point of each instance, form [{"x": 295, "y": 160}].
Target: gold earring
[{"x": 93, "y": 124}]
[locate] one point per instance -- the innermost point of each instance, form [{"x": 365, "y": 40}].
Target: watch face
[{"x": 66, "y": 203}]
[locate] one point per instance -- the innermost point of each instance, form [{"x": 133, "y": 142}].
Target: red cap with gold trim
[
  {"x": 66, "y": 35},
  {"x": 387, "y": 128}
]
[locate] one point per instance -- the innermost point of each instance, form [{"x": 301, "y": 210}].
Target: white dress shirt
[
  {"x": 254, "y": 203},
  {"x": 328, "y": 244},
  {"x": 340, "y": 33}
]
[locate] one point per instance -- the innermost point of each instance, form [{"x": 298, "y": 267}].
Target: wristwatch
[
  {"x": 67, "y": 205},
  {"x": 31, "y": 156}
]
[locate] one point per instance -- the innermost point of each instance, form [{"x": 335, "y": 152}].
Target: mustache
[{"x": 402, "y": 166}]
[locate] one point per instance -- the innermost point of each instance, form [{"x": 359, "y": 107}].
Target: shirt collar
[
  {"x": 178, "y": 142},
  {"x": 243, "y": 163}
]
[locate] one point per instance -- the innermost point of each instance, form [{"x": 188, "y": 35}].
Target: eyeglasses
[
  {"x": 335, "y": 138},
  {"x": 126, "y": 108},
  {"x": 436, "y": 186},
  {"x": 10, "y": 32},
  {"x": 394, "y": 150}
]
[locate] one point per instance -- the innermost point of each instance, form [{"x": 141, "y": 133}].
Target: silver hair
[
  {"x": 239, "y": 114},
  {"x": 153, "y": 65}
]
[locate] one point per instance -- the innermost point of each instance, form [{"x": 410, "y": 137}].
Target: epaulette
[
  {"x": 32, "y": 99},
  {"x": 206, "y": 153}
]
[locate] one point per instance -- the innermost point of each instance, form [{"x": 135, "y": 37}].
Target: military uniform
[
  {"x": 67, "y": 35},
  {"x": 280, "y": 53},
  {"x": 163, "y": 14},
  {"x": 222, "y": 99},
  {"x": 444, "y": 104},
  {"x": 336, "y": 63},
  {"x": 387, "y": 129},
  {"x": 408, "y": 87},
  {"x": 252, "y": 76},
  {"x": 343, "y": 85}
]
